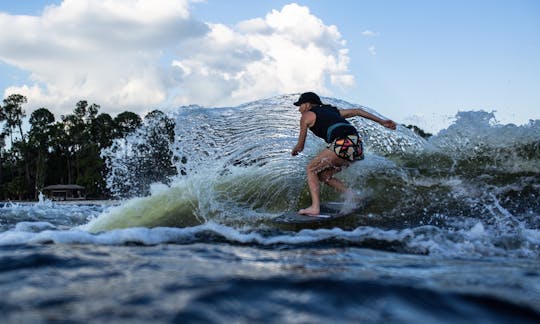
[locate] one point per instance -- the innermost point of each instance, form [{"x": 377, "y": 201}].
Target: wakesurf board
[{"x": 330, "y": 211}]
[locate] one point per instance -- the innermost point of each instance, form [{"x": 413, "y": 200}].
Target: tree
[
  {"x": 2, "y": 145},
  {"x": 59, "y": 159},
  {"x": 13, "y": 114},
  {"x": 103, "y": 130},
  {"x": 39, "y": 140},
  {"x": 126, "y": 123},
  {"x": 70, "y": 150},
  {"x": 85, "y": 112},
  {"x": 79, "y": 129}
]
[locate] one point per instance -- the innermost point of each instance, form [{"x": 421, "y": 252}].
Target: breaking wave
[{"x": 472, "y": 189}]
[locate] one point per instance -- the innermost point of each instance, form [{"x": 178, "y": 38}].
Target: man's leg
[
  {"x": 327, "y": 176},
  {"x": 325, "y": 161}
]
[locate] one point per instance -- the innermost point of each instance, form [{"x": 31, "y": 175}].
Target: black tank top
[{"x": 329, "y": 118}]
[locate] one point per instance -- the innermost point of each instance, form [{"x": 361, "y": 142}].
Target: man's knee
[
  {"x": 324, "y": 178},
  {"x": 313, "y": 168}
]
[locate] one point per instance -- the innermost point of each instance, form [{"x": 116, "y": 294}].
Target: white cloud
[
  {"x": 140, "y": 54},
  {"x": 369, "y": 33},
  {"x": 372, "y": 50},
  {"x": 106, "y": 52},
  {"x": 289, "y": 50}
]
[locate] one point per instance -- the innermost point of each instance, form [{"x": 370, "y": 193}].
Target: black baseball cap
[{"x": 308, "y": 97}]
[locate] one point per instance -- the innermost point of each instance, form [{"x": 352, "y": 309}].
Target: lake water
[{"x": 448, "y": 231}]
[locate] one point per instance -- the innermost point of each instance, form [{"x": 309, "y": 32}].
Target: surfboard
[{"x": 330, "y": 211}]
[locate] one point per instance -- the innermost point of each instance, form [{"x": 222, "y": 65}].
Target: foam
[
  {"x": 473, "y": 242},
  {"x": 25, "y": 233}
]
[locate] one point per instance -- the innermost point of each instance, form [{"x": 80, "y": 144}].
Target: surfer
[{"x": 344, "y": 144}]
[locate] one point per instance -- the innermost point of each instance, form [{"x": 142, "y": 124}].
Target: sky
[{"x": 416, "y": 61}]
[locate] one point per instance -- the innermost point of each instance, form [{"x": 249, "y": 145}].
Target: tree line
[{"x": 65, "y": 151}]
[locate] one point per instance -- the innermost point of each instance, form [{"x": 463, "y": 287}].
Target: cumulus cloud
[
  {"x": 107, "y": 52},
  {"x": 141, "y": 54},
  {"x": 289, "y": 50}
]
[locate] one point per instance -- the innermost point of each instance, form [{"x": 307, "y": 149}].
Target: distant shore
[{"x": 65, "y": 202}]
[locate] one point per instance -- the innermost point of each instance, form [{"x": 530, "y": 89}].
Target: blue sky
[{"x": 417, "y": 61}]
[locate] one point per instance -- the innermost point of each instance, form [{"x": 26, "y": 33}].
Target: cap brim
[{"x": 298, "y": 103}]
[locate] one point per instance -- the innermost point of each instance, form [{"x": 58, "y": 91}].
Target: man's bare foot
[{"x": 310, "y": 211}]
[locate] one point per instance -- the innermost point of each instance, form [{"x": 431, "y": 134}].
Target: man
[{"x": 344, "y": 144}]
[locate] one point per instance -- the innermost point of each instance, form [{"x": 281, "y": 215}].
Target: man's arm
[
  {"x": 348, "y": 113},
  {"x": 307, "y": 120}
]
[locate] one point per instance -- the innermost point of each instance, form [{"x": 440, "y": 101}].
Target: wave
[
  {"x": 475, "y": 241},
  {"x": 235, "y": 169},
  {"x": 471, "y": 188},
  {"x": 252, "y": 142}
]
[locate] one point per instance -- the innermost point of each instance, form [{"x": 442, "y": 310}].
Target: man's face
[{"x": 304, "y": 107}]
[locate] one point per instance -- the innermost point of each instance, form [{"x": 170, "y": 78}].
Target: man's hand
[
  {"x": 297, "y": 149},
  {"x": 388, "y": 124}
]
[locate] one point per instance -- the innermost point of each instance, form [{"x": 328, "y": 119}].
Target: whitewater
[{"x": 448, "y": 229}]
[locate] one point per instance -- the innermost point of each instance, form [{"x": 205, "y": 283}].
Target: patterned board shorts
[{"x": 348, "y": 147}]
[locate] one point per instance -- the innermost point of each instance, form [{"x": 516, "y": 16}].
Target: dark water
[
  {"x": 448, "y": 231},
  {"x": 218, "y": 282}
]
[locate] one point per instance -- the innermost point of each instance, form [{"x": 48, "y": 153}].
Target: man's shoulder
[
  {"x": 308, "y": 117},
  {"x": 308, "y": 114},
  {"x": 325, "y": 109}
]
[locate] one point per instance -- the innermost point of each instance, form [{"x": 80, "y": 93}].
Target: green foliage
[
  {"x": 68, "y": 151},
  {"x": 126, "y": 123},
  {"x": 13, "y": 115}
]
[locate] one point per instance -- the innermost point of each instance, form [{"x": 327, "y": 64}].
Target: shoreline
[{"x": 63, "y": 202}]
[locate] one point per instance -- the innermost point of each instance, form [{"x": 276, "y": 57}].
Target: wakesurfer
[{"x": 344, "y": 143}]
